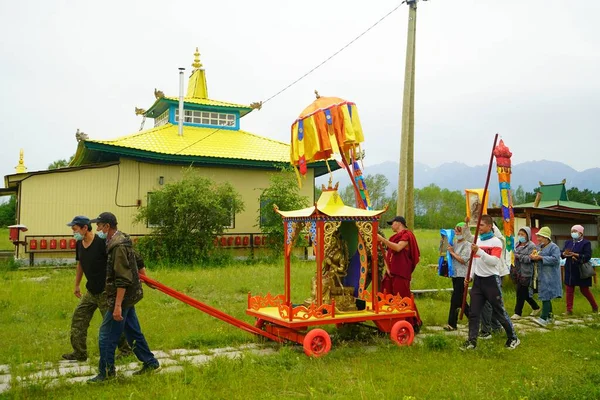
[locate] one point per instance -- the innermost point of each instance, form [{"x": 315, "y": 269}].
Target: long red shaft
[
  {"x": 485, "y": 190},
  {"x": 209, "y": 310}
]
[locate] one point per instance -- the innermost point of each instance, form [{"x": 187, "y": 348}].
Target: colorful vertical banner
[{"x": 503, "y": 167}]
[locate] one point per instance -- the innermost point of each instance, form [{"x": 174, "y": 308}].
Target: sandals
[{"x": 449, "y": 328}]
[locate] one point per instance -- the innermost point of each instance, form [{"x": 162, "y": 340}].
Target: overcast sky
[{"x": 527, "y": 69}]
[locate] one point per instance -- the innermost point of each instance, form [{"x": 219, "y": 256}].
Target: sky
[{"x": 527, "y": 70}]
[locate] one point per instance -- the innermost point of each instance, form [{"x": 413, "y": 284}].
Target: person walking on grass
[
  {"x": 524, "y": 273},
  {"x": 123, "y": 292},
  {"x": 90, "y": 255},
  {"x": 486, "y": 285},
  {"x": 548, "y": 272},
  {"x": 577, "y": 251},
  {"x": 460, "y": 253}
]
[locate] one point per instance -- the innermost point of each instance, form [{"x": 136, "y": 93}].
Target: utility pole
[{"x": 406, "y": 184}]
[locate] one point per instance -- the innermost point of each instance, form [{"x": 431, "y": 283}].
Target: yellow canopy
[{"x": 330, "y": 203}]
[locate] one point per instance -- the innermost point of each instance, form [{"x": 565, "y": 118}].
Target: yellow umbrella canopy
[{"x": 328, "y": 125}]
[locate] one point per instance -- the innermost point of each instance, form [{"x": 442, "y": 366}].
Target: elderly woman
[
  {"x": 460, "y": 253},
  {"x": 577, "y": 251},
  {"x": 524, "y": 269},
  {"x": 549, "y": 280}
]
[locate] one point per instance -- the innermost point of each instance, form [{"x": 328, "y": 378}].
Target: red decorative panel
[
  {"x": 258, "y": 302},
  {"x": 304, "y": 313}
]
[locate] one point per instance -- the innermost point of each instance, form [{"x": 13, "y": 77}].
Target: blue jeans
[{"x": 111, "y": 330}]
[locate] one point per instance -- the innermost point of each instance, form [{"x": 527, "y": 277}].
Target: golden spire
[
  {"x": 197, "y": 64},
  {"x": 21, "y": 168},
  {"x": 197, "y": 83}
]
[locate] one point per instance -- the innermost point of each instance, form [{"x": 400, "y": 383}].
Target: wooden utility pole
[{"x": 406, "y": 183}]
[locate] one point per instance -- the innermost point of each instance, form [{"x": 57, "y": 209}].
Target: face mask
[
  {"x": 459, "y": 237},
  {"x": 78, "y": 236},
  {"x": 575, "y": 235},
  {"x": 101, "y": 235},
  {"x": 522, "y": 239},
  {"x": 486, "y": 236}
]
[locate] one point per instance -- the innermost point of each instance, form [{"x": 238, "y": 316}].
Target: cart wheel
[
  {"x": 403, "y": 333},
  {"x": 317, "y": 343}
]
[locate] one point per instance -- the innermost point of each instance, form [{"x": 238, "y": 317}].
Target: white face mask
[
  {"x": 101, "y": 235},
  {"x": 459, "y": 237},
  {"x": 575, "y": 235}
]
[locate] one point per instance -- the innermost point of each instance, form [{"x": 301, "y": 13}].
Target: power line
[{"x": 309, "y": 72}]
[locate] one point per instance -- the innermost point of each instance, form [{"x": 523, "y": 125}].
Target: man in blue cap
[{"x": 90, "y": 255}]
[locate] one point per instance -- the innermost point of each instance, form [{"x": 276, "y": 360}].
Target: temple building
[{"x": 120, "y": 175}]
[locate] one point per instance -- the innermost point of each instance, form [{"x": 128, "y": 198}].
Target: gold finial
[
  {"x": 21, "y": 168},
  {"x": 257, "y": 105},
  {"x": 197, "y": 64},
  {"x": 317, "y": 94}
]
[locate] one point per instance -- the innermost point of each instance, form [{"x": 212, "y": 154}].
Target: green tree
[
  {"x": 8, "y": 212},
  {"x": 376, "y": 185},
  {"x": 60, "y": 163},
  {"x": 283, "y": 192},
  {"x": 582, "y": 196},
  {"x": 437, "y": 208},
  {"x": 185, "y": 217}
]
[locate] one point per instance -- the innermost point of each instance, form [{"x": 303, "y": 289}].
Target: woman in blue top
[
  {"x": 575, "y": 252},
  {"x": 549, "y": 280}
]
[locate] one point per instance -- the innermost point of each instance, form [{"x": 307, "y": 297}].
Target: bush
[
  {"x": 187, "y": 215},
  {"x": 283, "y": 192},
  {"x": 8, "y": 212}
]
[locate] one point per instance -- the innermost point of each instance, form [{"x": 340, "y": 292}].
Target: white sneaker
[
  {"x": 512, "y": 344},
  {"x": 515, "y": 317},
  {"x": 541, "y": 322},
  {"x": 535, "y": 313}
]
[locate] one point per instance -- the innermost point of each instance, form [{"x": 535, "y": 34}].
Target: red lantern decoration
[
  {"x": 53, "y": 244},
  {"x": 32, "y": 244},
  {"x": 63, "y": 243},
  {"x": 257, "y": 240},
  {"x": 223, "y": 241},
  {"x": 230, "y": 241},
  {"x": 246, "y": 240},
  {"x": 72, "y": 244},
  {"x": 43, "y": 244},
  {"x": 238, "y": 240}
]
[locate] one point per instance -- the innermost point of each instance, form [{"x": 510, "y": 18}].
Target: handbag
[{"x": 586, "y": 270}]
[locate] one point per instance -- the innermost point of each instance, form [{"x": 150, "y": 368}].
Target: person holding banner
[{"x": 485, "y": 274}]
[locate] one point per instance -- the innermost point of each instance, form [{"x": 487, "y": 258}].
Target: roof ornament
[
  {"x": 80, "y": 136},
  {"x": 317, "y": 94},
  {"x": 257, "y": 105},
  {"x": 197, "y": 64},
  {"x": 158, "y": 93},
  {"x": 21, "y": 168},
  {"x": 140, "y": 111}
]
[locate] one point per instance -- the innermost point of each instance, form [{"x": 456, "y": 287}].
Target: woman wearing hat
[
  {"x": 577, "y": 251},
  {"x": 548, "y": 267}
]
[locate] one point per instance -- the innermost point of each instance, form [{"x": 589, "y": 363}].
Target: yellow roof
[
  {"x": 330, "y": 203},
  {"x": 203, "y": 142}
]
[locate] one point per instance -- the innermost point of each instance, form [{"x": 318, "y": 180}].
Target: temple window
[
  {"x": 161, "y": 119},
  {"x": 206, "y": 118}
]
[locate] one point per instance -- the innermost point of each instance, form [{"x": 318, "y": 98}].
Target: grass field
[
  {"x": 5, "y": 244},
  {"x": 35, "y": 317}
]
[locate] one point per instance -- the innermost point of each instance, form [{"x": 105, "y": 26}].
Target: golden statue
[
  {"x": 335, "y": 268},
  {"x": 21, "y": 168}
]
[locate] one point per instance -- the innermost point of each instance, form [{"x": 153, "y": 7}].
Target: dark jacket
[
  {"x": 122, "y": 271},
  {"x": 584, "y": 249}
]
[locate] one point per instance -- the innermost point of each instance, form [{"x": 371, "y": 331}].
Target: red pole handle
[{"x": 485, "y": 189}]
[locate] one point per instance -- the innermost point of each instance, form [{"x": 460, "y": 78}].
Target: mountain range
[{"x": 459, "y": 176}]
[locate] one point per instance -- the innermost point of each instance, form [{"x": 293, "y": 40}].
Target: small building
[
  {"x": 552, "y": 208},
  {"x": 120, "y": 175}
]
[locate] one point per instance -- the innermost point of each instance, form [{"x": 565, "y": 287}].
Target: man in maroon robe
[{"x": 402, "y": 257}]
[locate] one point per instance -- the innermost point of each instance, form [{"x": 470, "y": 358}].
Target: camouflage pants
[{"x": 81, "y": 321}]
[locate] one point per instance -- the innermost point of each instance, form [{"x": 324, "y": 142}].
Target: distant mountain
[{"x": 458, "y": 176}]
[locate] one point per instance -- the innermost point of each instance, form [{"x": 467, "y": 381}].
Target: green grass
[
  {"x": 5, "y": 244},
  {"x": 35, "y": 319}
]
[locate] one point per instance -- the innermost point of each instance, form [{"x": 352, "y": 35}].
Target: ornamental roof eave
[{"x": 163, "y": 103}]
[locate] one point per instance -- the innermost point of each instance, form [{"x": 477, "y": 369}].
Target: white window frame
[{"x": 207, "y": 118}]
